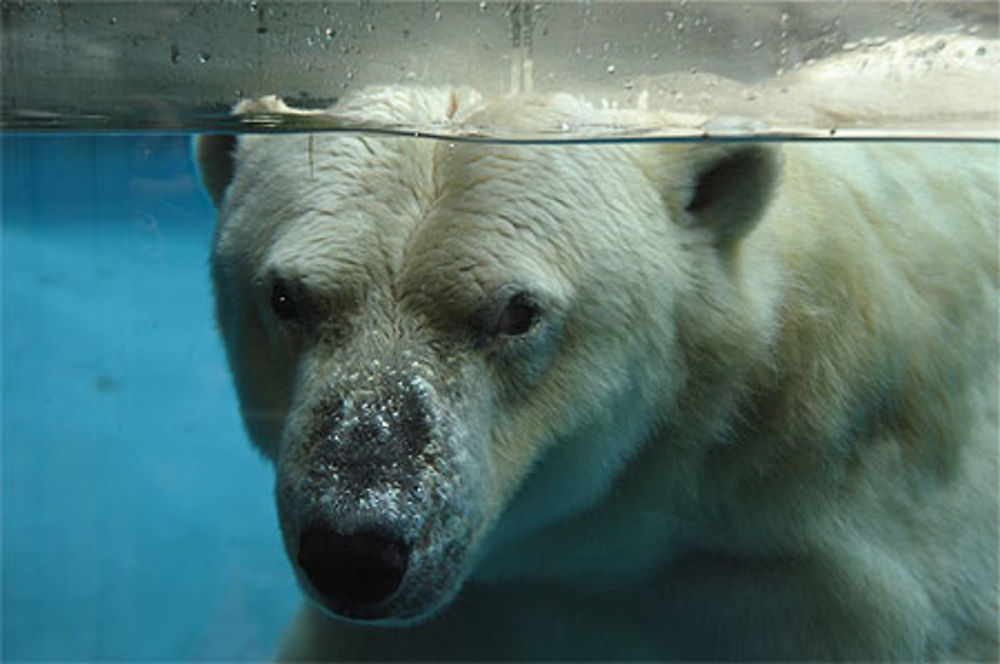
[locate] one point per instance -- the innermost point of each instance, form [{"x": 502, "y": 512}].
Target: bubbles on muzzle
[{"x": 376, "y": 505}]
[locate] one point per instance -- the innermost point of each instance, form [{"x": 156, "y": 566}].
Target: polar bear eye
[
  {"x": 519, "y": 316},
  {"x": 282, "y": 304}
]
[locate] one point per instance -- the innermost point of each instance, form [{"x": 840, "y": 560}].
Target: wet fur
[{"x": 759, "y": 421}]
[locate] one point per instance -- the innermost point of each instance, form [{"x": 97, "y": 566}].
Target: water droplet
[
  {"x": 981, "y": 51},
  {"x": 329, "y": 33},
  {"x": 437, "y": 13},
  {"x": 204, "y": 57},
  {"x": 758, "y": 43},
  {"x": 482, "y": 5},
  {"x": 113, "y": 20},
  {"x": 611, "y": 69}
]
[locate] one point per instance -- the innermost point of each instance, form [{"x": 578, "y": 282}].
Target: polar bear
[{"x": 622, "y": 401}]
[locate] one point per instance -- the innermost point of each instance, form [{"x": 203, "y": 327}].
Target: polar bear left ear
[
  {"x": 728, "y": 188},
  {"x": 213, "y": 154}
]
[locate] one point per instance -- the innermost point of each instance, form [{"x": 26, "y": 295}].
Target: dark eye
[
  {"x": 519, "y": 316},
  {"x": 282, "y": 303}
]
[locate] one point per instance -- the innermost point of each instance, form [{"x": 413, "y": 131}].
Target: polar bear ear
[
  {"x": 213, "y": 155},
  {"x": 728, "y": 188}
]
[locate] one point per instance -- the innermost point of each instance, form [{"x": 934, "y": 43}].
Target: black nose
[{"x": 353, "y": 571}]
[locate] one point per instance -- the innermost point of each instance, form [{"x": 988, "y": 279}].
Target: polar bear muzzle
[{"x": 381, "y": 498}]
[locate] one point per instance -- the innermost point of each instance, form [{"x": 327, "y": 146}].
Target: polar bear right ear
[
  {"x": 213, "y": 155},
  {"x": 727, "y": 188}
]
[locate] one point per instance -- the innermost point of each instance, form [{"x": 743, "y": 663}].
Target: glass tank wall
[{"x": 811, "y": 69}]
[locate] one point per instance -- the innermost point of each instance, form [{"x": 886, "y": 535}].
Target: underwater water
[{"x": 138, "y": 523}]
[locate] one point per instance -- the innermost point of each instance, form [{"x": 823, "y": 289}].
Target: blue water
[{"x": 138, "y": 524}]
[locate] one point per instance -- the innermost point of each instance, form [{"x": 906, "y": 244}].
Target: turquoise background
[{"x": 138, "y": 523}]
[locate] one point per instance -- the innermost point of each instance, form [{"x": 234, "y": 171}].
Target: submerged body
[{"x": 618, "y": 401}]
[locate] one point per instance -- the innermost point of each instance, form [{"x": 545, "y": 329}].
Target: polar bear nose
[{"x": 354, "y": 571}]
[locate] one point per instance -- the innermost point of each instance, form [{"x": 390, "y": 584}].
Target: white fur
[{"x": 770, "y": 437}]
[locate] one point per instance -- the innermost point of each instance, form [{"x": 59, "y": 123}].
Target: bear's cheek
[{"x": 382, "y": 493}]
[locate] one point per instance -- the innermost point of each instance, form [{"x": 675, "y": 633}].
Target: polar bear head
[{"x": 445, "y": 345}]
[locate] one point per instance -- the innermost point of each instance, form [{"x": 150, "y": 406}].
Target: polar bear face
[{"x": 420, "y": 331}]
